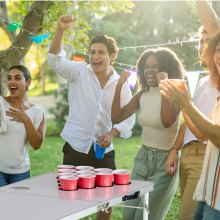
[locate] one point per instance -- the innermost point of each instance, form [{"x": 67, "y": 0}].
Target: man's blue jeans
[
  {"x": 6, "y": 178},
  {"x": 205, "y": 212}
]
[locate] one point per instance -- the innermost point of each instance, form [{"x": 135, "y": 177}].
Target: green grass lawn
[{"x": 50, "y": 155}]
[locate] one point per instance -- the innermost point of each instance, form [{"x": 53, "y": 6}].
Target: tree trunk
[{"x": 32, "y": 23}]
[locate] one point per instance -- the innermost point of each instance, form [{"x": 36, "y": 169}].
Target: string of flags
[
  {"x": 79, "y": 56},
  {"x": 13, "y": 26},
  {"x": 40, "y": 38},
  {"x": 161, "y": 44}
]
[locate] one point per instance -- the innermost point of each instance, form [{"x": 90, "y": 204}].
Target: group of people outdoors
[{"x": 101, "y": 108}]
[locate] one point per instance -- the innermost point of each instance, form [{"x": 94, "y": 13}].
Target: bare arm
[
  {"x": 35, "y": 137},
  {"x": 119, "y": 114},
  {"x": 168, "y": 112},
  {"x": 205, "y": 125},
  {"x": 210, "y": 19},
  {"x": 200, "y": 137},
  {"x": 172, "y": 159},
  {"x": 182, "y": 100},
  {"x": 63, "y": 23}
]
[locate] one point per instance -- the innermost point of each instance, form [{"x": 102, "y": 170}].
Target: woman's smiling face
[
  {"x": 16, "y": 83},
  {"x": 151, "y": 68}
]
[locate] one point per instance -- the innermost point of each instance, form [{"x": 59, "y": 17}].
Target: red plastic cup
[
  {"x": 65, "y": 174},
  {"x": 66, "y": 171},
  {"x": 68, "y": 182},
  {"x": 86, "y": 181},
  {"x": 80, "y": 168},
  {"x": 65, "y": 166},
  {"x": 103, "y": 170},
  {"x": 104, "y": 179},
  {"x": 81, "y": 172},
  {"x": 122, "y": 176}
]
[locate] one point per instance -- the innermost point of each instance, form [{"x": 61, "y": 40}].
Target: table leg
[{"x": 145, "y": 206}]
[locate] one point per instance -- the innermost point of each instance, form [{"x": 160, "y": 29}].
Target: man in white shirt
[{"x": 90, "y": 95}]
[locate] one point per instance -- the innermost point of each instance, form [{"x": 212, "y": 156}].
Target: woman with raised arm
[{"x": 159, "y": 120}]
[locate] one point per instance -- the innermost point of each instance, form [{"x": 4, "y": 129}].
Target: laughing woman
[
  {"x": 21, "y": 124},
  {"x": 207, "y": 192},
  {"x": 159, "y": 120}
]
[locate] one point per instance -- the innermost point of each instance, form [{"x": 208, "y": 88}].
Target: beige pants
[{"x": 190, "y": 170}]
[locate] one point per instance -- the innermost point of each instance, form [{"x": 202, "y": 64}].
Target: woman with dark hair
[
  {"x": 159, "y": 120},
  {"x": 207, "y": 192},
  {"x": 21, "y": 124}
]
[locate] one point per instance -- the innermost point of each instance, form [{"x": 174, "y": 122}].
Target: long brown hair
[{"x": 209, "y": 53}]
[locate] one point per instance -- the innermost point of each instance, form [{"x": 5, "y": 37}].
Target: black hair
[
  {"x": 168, "y": 62},
  {"x": 23, "y": 69}
]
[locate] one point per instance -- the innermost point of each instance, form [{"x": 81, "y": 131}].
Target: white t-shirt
[
  {"x": 89, "y": 104},
  {"x": 14, "y": 145},
  {"x": 204, "y": 99}
]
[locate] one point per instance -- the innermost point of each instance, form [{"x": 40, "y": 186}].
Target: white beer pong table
[{"x": 39, "y": 198}]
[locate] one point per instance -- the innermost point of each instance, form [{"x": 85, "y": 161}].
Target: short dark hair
[
  {"x": 23, "y": 69},
  {"x": 167, "y": 60},
  {"x": 109, "y": 42}
]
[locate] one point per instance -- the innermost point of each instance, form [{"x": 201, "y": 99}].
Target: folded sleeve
[{"x": 69, "y": 70}]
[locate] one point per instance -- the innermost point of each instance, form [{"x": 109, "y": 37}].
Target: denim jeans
[
  {"x": 205, "y": 212},
  {"x": 6, "y": 178}
]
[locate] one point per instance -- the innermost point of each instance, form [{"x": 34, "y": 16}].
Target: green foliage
[
  {"x": 154, "y": 22},
  {"x": 84, "y": 12},
  {"x": 60, "y": 111}
]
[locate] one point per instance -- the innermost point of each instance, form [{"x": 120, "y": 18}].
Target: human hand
[
  {"x": 123, "y": 77},
  {"x": 105, "y": 140},
  {"x": 171, "y": 163},
  {"x": 179, "y": 97},
  {"x": 18, "y": 115},
  {"x": 65, "y": 21},
  {"x": 161, "y": 76}
]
